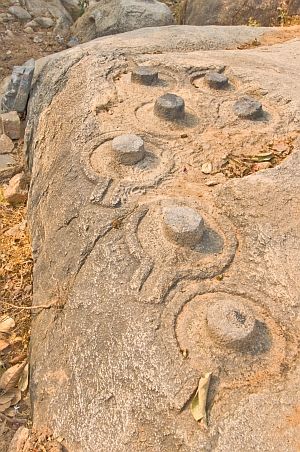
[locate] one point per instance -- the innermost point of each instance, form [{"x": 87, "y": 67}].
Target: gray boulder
[
  {"x": 72, "y": 7},
  {"x": 118, "y": 16},
  {"x": 45, "y": 22},
  {"x": 15, "y": 98},
  {"x": 19, "y": 12},
  {"x": 232, "y": 12}
]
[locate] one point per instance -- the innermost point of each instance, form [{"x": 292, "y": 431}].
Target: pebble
[
  {"x": 211, "y": 182},
  {"x": 10, "y": 34},
  {"x": 6, "y": 144},
  {"x": 45, "y": 22},
  {"x": 37, "y": 39},
  {"x": 262, "y": 165},
  {"x": 206, "y": 168},
  {"x": 8, "y": 52},
  {"x": 28, "y": 30}
]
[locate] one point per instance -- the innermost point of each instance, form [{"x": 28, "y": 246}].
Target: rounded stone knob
[
  {"x": 215, "y": 80},
  {"x": 183, "y": 225},
  {"x": 128, "y": 149},
  {"x": 169, "y": 107},
  {"x": 247, "y": 108},
  {"x": 230, "y": 323},
  {"x": 144, "y": 75}
]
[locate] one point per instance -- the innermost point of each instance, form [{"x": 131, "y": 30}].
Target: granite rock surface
[{"x": 116, "y": 359}]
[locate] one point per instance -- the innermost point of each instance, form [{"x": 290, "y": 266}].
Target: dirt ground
[{"x": 15, "y": 260}]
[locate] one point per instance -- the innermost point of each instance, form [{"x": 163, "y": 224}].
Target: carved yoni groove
[
  {"x": 164, "y": 262},
  {"x": 146, "y": 263},
  {"x": 124, "y": 166},
  {"x": 184, "y": 327}
]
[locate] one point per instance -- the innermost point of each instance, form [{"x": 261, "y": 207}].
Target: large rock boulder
[
  {"x": 110, "y": 17},
  {"x": 53, "y": 8},
  {"x": 137, "y": 254},
  {"x": 237, "y": 12}
]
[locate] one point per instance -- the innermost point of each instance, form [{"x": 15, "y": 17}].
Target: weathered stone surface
[
  {"x": 183, "y": 225},
  {"x": 16, "y": 97},
  {"x": 231, "y": 323},
  {"x": 128, "y": 149},
  {"x": 29, "y": 30},
  {"x": 246, "y": 107},
  {"x": 6, "y": 160},
  {"x": 169, "y": 107},
  {"x": 7, "y": 102},
  {"x": 19, "y": 12},
  {"x": 238, "y": 12},
  {"x": 216, "y": 80},
  {"x": 62, "y": 27},
  {"x": 118, "y": 16},
  {"x": 45, "y": 22},
  {"x": 117, "y": 359},
  {"x": 17, "y": 190},
  {"x": 53, "y": 9},
  {"x": 6, "y": 144},
  {"x": 10, "y": 125},
  {"x": 72, "y": 7},
  {"x": 144, "y": 75}
]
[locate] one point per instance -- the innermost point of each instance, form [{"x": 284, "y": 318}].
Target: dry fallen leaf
[
  {"x": 198, "y": 406},
  {"x": 116, "y": 224},
  {"x": 4, "y": 406},
  {"x": 264, "y": 157},
  {"x": 17, "y": 359},
  {"x": 10, "y": 378},
  {"x": 16, "y": 393},
  {"x": 23, "y": 383},
  {"x": 3, "y": 345},
  {"x": 2, "y": 368},
  {"x": 6, "y": 324},
  {"x": 5, "y": 398}
]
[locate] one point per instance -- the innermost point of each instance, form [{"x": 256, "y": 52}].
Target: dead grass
[
  {"x": 16, "y": 289},
  {"x": 15, "y": 266}
]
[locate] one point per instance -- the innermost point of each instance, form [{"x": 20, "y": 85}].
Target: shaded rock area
[
  {"x": 133, "y": 284},
  {"x": 109, "y": 17},
  {"x": 239, "y": 12}
]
